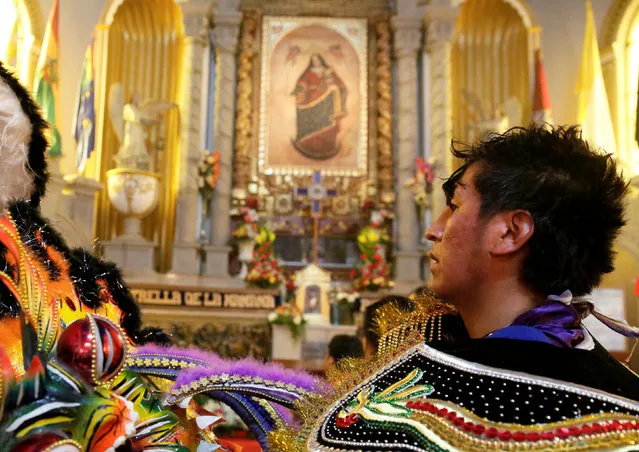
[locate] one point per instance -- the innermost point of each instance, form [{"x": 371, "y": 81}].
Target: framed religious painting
[{"x": 313, "y": 96}]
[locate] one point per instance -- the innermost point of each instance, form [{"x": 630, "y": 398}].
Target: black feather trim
[
  {"x": 9, "y": 306},
  {"x": 37, "y": 235},
  {"x": 86, "y": 272}
]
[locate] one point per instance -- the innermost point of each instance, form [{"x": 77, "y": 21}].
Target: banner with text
[{"x": 205, "y": 299}]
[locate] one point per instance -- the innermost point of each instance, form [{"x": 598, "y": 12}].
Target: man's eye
[{"x": 452, "y": 206}]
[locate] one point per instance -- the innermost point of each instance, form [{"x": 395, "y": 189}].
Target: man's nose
[{"x": 435, "y": 230}]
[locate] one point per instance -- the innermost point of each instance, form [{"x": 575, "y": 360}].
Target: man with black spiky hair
[{"x": 528, "y": 232}]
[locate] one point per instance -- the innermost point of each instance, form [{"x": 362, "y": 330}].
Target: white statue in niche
[
  {"x": 488, "y": 121},
  {"x": 130, "y": 122}
]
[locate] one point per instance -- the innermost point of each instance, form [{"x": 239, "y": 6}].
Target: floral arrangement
[
  {"x": 372, "y": 275},
  {"x": 208, "y": 173},
  {"x": 375, "y": 233},
  {"x": 249, "y": 223},
  {"x": 373, "y": 272},
  {"x": 422, "y": 183},
  {"x": 288, "y": 314},
  {"x": 346, "y": 297},
  {"x": 290, "y": 287},
  {"x": 264, "y": 269}
]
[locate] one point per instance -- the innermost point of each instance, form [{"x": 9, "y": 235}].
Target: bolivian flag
[{"x": 45, "y": 85}]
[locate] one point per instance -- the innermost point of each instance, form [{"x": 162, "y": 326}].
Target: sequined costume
[
  {"x": 427, "y": 394},
  {"x": 77, "y": 370}
]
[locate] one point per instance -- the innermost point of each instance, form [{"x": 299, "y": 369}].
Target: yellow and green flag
[
  {"x": 45, "y": 85},
  {"x": 593, "y": 109}
]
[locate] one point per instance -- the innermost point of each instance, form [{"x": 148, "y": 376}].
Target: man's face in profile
[{"x": 459, "y": 251}]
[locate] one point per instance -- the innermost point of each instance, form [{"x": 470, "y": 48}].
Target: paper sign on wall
[{"x": 612, "y": 303}]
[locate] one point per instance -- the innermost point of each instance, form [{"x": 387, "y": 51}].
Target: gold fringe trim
[{"x": 394, "y": 325}]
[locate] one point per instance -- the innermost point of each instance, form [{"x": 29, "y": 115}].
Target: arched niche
[
  {"x": 139, "y": 43},
  {"x": 520, "y": 6},
  {"x": 492, "y": 57},
  {"x": 619, "y": 44},
  {"x": 21, "y": 32}
]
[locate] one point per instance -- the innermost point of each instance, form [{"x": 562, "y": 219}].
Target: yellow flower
[{"x": 271, "y": 279}]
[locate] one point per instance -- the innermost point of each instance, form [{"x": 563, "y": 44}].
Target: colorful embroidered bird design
[{"x": 390, "y": 402}]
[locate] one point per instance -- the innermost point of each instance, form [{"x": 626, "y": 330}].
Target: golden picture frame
[
  {"x": 311, "y": 298},
  {"x": 313, "y": 96}
]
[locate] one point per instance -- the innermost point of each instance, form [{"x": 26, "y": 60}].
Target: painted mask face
[
  {"x": 23, "y": 144},
  {"x": 16, "y": 182}
]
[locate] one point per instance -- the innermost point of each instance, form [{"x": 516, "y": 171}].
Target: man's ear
[{"x": 513, "y": 229}]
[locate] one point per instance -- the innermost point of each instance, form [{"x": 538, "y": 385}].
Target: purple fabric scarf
[{"x": 558, "y": 323}]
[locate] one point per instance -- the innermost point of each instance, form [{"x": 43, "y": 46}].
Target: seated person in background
[
  {"x": 343, "y": 346},
  {"x": 371, "y": 320}
]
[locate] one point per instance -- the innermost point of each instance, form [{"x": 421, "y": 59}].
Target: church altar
[
  {"x": 280, "y": 151},
  {"x": 309, "y": 351}
]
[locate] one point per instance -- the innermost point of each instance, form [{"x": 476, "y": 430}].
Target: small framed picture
[{"x": 313, "y": 285}]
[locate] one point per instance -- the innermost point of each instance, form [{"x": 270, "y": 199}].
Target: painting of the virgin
[
  {"x": 313, "y": 99},
  {"x": 320, "y": 96}
]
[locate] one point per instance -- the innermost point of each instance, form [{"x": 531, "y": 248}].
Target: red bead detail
[
  {"x": 479, "y": 429},
  {"x": 616, "y": 426},
  {"x": 519, "y": 436},
  {"x": 548, "y": 436},
  {"x": 432, "y": 408},
  {"x": 468, "y": 426},
  {"x": 597, "y": 428},
  {"x": 491, "y": 432},
  {"x": 347, "y": 421},
  {"x": 451, "y": 416},
  {"x": 443, "y": 412},
  {"x": 411, "y": 405},
  {"x": 574, "y": 430},
  {"x": 587, "y": 430},
  {"x": 630, "y": 425},
  {"x": 562, "y": 432},
  {"x": 532, "y": 436},
  {"x": 459, "y": 421},
  {"x": 505, "y": 435}
]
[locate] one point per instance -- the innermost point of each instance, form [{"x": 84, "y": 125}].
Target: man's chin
[{"x": 436, "y": 288}]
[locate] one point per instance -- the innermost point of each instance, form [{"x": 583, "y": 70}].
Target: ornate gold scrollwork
[
  {"x": 244, "y": 108},
  {"x": 384, "y": 117}
]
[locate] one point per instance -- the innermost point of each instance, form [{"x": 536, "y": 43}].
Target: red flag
[
  {"x": 637, "y": 285},
  {"x": 541, "y": 100}
]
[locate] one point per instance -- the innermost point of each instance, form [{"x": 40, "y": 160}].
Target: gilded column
[
  {"x": 384, "y": 116},
  {"x": 408, "y": 38},
  {"x": 225, "y": 39},
  {"x": 244, "y": 106},
  {"x": 186, "y": 248},
  {"x": 440, "y": 28}
]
